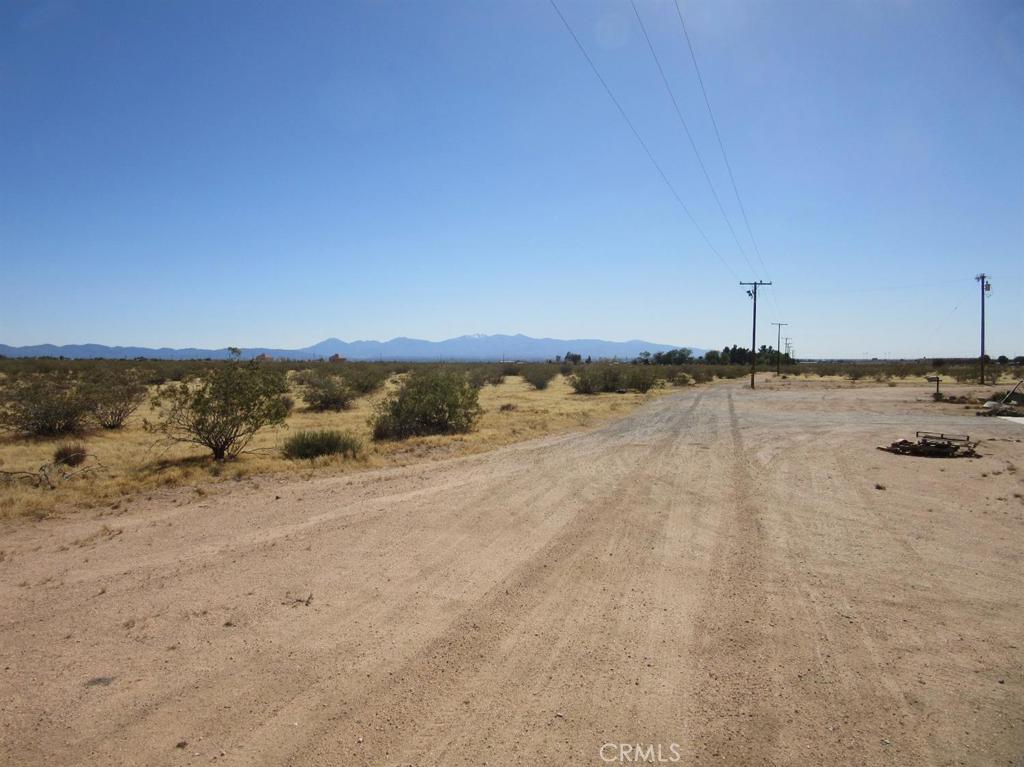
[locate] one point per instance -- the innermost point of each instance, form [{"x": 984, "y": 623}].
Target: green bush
[
  {"x": 591, "y": 379},
  {"x": 327, "y": 392},
  {"x": 45, "y": 405},
  {"x": 114, "y": 396},
  {"x": 365, "y": 379},
  {"x": 224, "y": 408},
  {"x": 70, "y": 454},
  {"x": 640, "y": 377},
  {"x": 483, "y": 375},
  {"x": 431, "y": 401},
  {"x": 539, "y": 376},
  {"x": 311, "y": 444}
]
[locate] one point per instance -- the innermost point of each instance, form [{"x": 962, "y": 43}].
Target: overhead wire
[
  {"x": 643, "y": 144},
  {"x": 718, "y": 136},
  {"x": 689, "y": 136}
]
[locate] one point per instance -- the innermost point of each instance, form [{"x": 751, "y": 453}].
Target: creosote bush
[
  {"x": 114, "y": 397},
  {"x": 431, "y": 401},
  {"x": 70, "y": 454},
  {"x": 224, "y": 408},
  {"x": 312, "y": 444},
  {"x": 595, "y": 378},
  {"x": 539, "y": 376},
  {"x": 327, "y": 392},
  {"x": 45, "y": 405}
]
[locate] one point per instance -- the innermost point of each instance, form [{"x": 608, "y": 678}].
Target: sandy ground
[{"x": 737, "y": 573}]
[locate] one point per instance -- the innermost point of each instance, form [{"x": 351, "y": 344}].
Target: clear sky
[{"x": 212, "y": 173}]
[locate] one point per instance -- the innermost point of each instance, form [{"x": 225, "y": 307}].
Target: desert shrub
[
  {"x": 70, "y": 454},
  {"x": 510, "y": 368},
  {"x": 289, "y": 403},
  {"x": 640, "y": 377},
  {"x": 483, "y": 375},
  {"x": 431, "y": 401},
  {"x": 539, "y": 376},
  {"x": 223, "y": 409},
  {"x": 45, "y": 405},
  {"x": 327, "y": 392},
  {"x": 591, "y": 379},
  {"x": 682, "y": 378},
  {"x": 365, "y": 379},
  {"x": 311, "y": 444},
  {"x": 586, "y": 381},
  {"x": 508, "y": 407},
  {"x": 114, "y": 397}
]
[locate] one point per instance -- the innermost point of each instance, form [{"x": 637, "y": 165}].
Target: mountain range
[{"x": 465, "y": 348}]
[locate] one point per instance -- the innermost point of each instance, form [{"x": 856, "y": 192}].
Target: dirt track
[{"x": 717, "y": 570}]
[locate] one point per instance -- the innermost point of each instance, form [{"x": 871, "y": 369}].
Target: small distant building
[{"x": 335, "y": 358}]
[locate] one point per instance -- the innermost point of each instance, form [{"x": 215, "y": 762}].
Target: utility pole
[
  {"x": 753, "y": 333},
  {"x": 778, "y": 347},
  {"x": 985, "y": 287}
]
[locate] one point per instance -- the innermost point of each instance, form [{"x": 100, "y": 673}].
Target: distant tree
[
  {"x": 712, "y": 357},
  {"x": 573, "y": 358},
  {"x": 1002, "y": 359},
  {"x": 673, "y": 357}
]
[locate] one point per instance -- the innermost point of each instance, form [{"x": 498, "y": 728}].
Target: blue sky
[{"x": 195, "y": 173}]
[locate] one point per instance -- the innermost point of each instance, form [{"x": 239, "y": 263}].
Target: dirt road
[{"x": 739, "y": 575}]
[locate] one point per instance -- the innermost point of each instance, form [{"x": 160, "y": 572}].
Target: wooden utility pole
[
  {"x": 778, "y": 348},
  {"x": 985, "y": 287},
  {"x": 753, "y": 333}
]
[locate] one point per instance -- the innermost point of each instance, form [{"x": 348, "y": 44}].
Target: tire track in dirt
[{"x": 531, "y": 626}]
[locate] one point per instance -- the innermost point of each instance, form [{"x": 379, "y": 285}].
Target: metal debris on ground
[{"x": 933, "y": 445}]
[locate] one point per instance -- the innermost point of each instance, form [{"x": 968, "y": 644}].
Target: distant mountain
[{"x": 464, "y": 348}]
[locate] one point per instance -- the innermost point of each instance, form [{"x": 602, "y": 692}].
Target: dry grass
[{"x": 133, "y": 461}]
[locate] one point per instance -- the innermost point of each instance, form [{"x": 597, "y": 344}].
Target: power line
[
  {"x": 718, "y": 135},
  {"x": 639, "y": 138},
  {"x": 689, "y": 136},
  {"x": 875, "y": 288}
]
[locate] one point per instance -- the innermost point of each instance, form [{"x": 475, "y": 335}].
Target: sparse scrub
[
  {"x": 438, "y": 401},
  {"x": 223, "y": 409},
  {"x": 312, "y": 444}
]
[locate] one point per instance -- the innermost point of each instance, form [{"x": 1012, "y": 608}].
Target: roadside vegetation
[{"x": 91, "y": 432}]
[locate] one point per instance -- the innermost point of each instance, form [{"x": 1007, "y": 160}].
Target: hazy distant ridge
[{"x": 477, "y": 347}]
